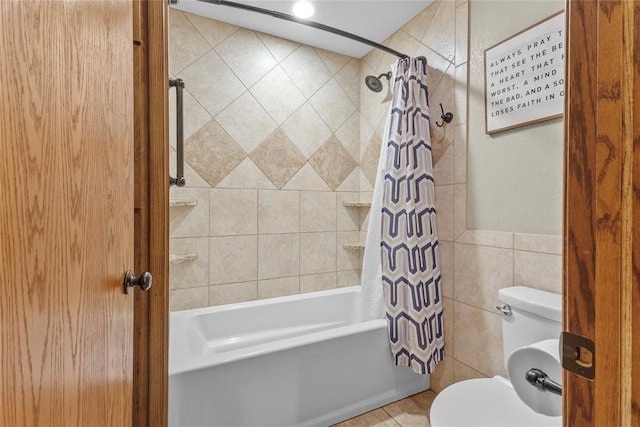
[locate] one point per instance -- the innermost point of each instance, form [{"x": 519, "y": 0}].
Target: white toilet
[{"x": 529, "y": 316}]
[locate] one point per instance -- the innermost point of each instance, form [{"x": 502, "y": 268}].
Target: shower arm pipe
[{"x": 308, "y": 23}]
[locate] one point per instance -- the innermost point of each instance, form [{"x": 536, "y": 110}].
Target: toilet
[{"x": 528, "y": 316}]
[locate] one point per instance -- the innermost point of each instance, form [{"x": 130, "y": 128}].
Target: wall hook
[{"x": 446, "y": 117}]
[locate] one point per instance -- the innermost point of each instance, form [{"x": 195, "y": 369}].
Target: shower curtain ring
[{"x": 446, "y": 117}]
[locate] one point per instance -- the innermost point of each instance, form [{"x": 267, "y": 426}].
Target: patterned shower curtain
[{"x": 409, "y": 246}]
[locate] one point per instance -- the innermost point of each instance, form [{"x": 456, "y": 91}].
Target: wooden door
[
  {"x": 602, "y": 208},
  {"x": 66, "y": 213}
]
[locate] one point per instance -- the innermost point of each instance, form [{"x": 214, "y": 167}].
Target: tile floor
[{"x": 410, "y": 412}]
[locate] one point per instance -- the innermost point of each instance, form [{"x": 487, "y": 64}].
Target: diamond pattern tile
[
  {"x": 247, "y": 122},
  {"x": 279, "y": 48},
  {"x": 212, "y": 83},
  {"x": 333, "y": 105},
  {"x": 212, "y": 153},
  {"x": 278, "y": 158},
  {"x": 307, "y": 70},
  {"x": 278, "y": 95},
  {"x": 307, "y": 130},
  {"x": 213, "y": 31},
  {"x": 186, "y": 44},
  {"x": 333, "y": 162},
  {"x": 247, "y": 56}
]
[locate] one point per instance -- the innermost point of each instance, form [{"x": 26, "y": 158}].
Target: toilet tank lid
[{"x": 535, "y": 301}]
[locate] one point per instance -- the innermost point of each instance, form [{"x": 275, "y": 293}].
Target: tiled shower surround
[{"x": 279, "y": 135}]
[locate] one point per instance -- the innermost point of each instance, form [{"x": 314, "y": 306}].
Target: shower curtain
[{"x": 401, "y": 272}]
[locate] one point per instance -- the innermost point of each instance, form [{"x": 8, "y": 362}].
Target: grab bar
[{"x": 179, "y": 179}]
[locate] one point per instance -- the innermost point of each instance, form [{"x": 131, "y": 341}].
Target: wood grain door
[
  {"x": 602, "y": 209},
  {"x": 66, "y": 213}
]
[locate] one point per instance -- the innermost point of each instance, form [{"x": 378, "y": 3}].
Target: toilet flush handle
[{"x": 504, "y": 309}]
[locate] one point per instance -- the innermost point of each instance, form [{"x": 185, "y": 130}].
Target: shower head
[{"x": 374, "y": 83}]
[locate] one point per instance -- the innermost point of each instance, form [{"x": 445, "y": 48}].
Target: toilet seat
[{"x": 490, "y": 402}]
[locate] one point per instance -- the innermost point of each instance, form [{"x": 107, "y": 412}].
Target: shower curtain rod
[{"x": 306, "y": 22}]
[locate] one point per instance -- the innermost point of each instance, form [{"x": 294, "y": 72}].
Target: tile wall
[{"x": 272, "y": 144}]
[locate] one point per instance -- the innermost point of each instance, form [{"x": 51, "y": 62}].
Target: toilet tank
[{"x": 535, "y": 316}]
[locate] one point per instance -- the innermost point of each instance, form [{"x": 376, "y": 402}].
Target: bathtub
[{"x": 301, "y": 360}]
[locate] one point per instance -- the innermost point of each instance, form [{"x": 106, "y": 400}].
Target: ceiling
[{"x": 372, "y": 19}]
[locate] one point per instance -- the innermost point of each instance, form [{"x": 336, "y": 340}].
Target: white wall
[{"x": 514, "y": 177}]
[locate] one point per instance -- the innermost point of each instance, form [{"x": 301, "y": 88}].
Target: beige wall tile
[
  {"x": 403, "y": 42},
  {"x": 185, "y": 299},
  {"x": 445, "y": 211},
  {"x": 212, "y": 153},
  {"x": 440, "y": 35},
  {"x": 278, "y": 255},
  {"x": 195, "y": 116},
  {"x": 442, "y": 377},
  {"x": 538, "y": 243},
  {"x": 347, "y": 278},
  {"x": 278, "y": 158},
  {"x": 478, "y": 339},
  {"x": 307, "y": 70},
  {"x": 332, "y": 104},
  {"x": 443, "y": 171},
  {"x": 279, "y": 48},
  {"x": 333, "y": 162},
  {"x": 317, "y": 211},
  {"x": 417, "y": 26},
  {"x": 233, "y": 259},
  {"x": 278, "y": 211},
  {"x": 247, "y": 56},
  {"x": 460, "y": 217},
  {"x": 212, "y": 83},
  {"x": 348, "y": 218},
  {"x": 189, "y": 221},
  {"x": 307, "y": 130},
  {"x": 333, "y": 61},
  {"x": 278, "y": 95},
  {"x": 317, "y": 253},
  {"x": 348, "y": 259},
  {"x": 232, "y": 293},
  {"x": 498, "y": 239},
  {"x": 460, "y": 94},
  {"x": 306, "y": 179},
  {"x": 246, "y": 175},
  {"x": 348, "y": 79},
  {"x": 462, "y": 33},
  {"x": 538, "y": 270},
  {"x": 317, "y": 282},
  {"x": 189, "y": 274},
  {"x": 446, "y": 267},
  {"x": 233, "y": 212},
  {"x": 213, "y": 31},
  {"x": 192, "y": 178},
  {"x": 480, "y": 271},
  {"x": 460, "y": 162},
  {"x": 278, "y": 287},
  {"x": 449, "y": 326},
  {"x": 462, "y": 372},
  {"x": 186, "y": 44},
  {"x": 246, "y": 122},
  {"x": 349, "y": 135}
]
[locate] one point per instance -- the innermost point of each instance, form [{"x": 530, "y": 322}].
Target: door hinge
[{"x": 578, "y": 355}]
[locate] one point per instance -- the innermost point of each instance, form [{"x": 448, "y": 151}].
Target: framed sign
[{"x": 524, "y": 76}]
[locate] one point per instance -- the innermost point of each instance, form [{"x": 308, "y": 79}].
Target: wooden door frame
[
  {"x": 151, "y": 318},
  {"x": 602, "y": 199}
]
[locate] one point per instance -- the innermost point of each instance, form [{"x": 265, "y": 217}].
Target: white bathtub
[{"x": 302, "y": 360}]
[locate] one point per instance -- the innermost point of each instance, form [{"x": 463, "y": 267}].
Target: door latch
[{"x": 578, "y": 355}]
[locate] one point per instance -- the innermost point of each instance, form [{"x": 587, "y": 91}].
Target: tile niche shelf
[
  {"x": 182, "y": 203},
  {"x": 355, "y": 246},
  {"x": 181, "y": 258}
]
